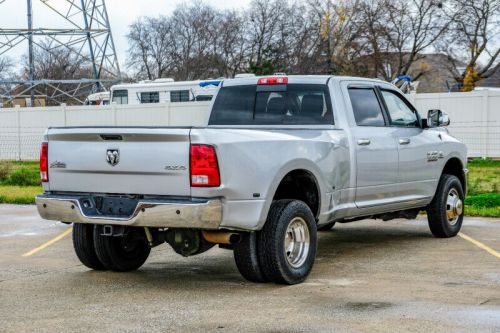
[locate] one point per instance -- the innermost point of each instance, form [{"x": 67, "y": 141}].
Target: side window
[
  {"x": 310, "y": 104},
  {"x": 233, "y": 106},
  {"x": 150, "y": 97},
  {"x": 179, "y": 96},
  {"x": 400, "y": 113},
  {"x": 366, "y": 108},
  {"x": 120, "y": 96}
]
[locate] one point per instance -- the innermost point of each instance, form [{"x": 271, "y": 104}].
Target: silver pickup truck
[{"x": 280, "y": 158}]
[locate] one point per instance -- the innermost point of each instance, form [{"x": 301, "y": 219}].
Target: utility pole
[{"x": 30, "y": 52}]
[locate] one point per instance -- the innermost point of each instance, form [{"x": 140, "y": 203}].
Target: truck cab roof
[{"x": 307, "y": 79}]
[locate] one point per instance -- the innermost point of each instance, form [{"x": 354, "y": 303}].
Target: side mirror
[{"x": 437, "y": 118}]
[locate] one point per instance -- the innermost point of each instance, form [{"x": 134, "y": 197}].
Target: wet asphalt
[{"x": 369, "y": 276}]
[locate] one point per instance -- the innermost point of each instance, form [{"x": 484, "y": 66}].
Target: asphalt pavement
[{"x": 369, "y": 276}]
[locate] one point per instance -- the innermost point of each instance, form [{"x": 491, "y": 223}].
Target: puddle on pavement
[{"x": 368, "y": 306}]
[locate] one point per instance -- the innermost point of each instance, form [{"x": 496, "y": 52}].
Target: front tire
[
  {"x": 83, "y": 243},
  {"x": 445, "y": 213},
  {"x": 288, "y": 242},
  {"x": 122, "y": 253}
]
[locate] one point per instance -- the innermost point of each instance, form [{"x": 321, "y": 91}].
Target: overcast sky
[{"x": 121, "y": 14}]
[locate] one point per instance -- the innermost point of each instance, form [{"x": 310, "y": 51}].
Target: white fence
[
  {"x": 475, "y": 119},
  {"x": 21, "y": 129}
]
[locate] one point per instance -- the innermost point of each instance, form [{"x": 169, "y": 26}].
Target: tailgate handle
[{"x": 111, "y": 137}]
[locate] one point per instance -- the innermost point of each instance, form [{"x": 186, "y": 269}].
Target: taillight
[
  {"x": 273, "y": 80},
  {"x": 44, "y": 162},
  {"x": 204, "y": 166}
]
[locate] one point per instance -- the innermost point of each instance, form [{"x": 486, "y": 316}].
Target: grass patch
[
  {"x": 484, "y": 176},
  {"x": 20, "y": 182},
  {"x": 485, "y": 204},
  {"x": 19, "y": 173},
  {"x": 482, "y": 211},
  {"x": 23, "y": 195},
  {"x": 5, "y": 170},
  {"x": 484, "y": 200}
]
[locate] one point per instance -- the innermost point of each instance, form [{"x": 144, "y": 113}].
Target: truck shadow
[
  {"x": 373, "y": 237},
  {"x": 339, "y": 250}
]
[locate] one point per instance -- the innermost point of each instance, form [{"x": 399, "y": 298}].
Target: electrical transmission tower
[{"x": 81, "y": 36}]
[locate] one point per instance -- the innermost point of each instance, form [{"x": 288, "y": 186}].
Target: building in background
[
  {"x": 435, "y": 72},
  {"x": 493, "y": 81}
]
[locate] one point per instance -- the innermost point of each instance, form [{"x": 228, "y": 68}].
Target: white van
[{"x": 164, "y": 90}]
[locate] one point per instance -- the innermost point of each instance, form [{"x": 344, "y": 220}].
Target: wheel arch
[
  {"x": 300, "y": 184},
  {"x": 455, "y": 167},
  {"x": 298, "y": 168}
]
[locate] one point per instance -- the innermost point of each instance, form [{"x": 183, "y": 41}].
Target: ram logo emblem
[{"x": 113, "y": 156}]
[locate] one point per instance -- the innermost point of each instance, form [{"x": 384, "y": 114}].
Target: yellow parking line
[
  {"x": 49, "y": 243},
  {"x": 480, "y": 245}
]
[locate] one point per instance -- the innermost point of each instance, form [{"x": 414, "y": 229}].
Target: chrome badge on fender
[{"x": 433, "y": 156}]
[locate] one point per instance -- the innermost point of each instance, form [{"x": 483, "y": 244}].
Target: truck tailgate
[{"x": 120, "y": 160}]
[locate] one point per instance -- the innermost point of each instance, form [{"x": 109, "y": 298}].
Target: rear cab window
[{"x": 278, "y": 104}]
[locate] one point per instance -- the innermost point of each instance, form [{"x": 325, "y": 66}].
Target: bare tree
[
  {"x": 6, "y": 73},
  {"x": 263, "y": 27},
  {"x": 195, "y": 41},
  {"x": 396, "y": 33},
  {"x": 338, "y": 33},
  {"x": 56, "y": 63},
  {"x": 231, "y": 46},
  {"x": 413, "y": 27},
  {"x": 383, "y": 38},
  {"x": 150, "y": 47},
  {"x": 6, "y": 68},
  {"x": 372, "y": 41},
  {"x": 474, "y": 39},
  {"x": 299, "y": 40}
]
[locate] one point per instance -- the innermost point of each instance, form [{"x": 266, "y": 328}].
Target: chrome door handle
[
  {"x": 364, "y": 142},
  {"x": 404, "y": 141}
]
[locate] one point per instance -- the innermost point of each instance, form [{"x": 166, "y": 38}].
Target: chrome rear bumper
[{"x": 148, "y": 213}]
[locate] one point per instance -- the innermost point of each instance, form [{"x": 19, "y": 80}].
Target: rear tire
[
  {"x": 246, "y": 257},
  {"x": 83, "y": 243},
  {"x": 288, "y": 242},
  {"x": 122, "y": 253},
  {"x": 445, "y": 212}
]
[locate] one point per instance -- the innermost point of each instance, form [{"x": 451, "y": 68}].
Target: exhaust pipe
[{"x": 221, "y": 237}]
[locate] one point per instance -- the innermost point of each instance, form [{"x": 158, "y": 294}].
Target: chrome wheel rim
[
  {"x": 297, "y": 242},
  {"x": 454, "y": 206}
]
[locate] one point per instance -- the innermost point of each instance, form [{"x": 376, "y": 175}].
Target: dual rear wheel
[
  {"x": 284, "y": 250},
  {"x": 124, "y": 253}
]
